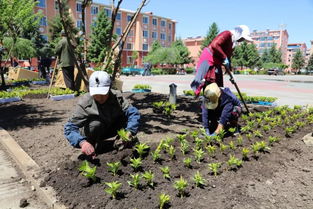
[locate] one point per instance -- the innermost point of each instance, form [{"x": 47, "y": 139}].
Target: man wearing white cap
[
  {"x": 99, "y": 115},
  {"x": 223, "y": 109}
]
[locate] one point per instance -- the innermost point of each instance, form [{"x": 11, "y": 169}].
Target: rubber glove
[
  {"x": 226, "y": 63},
  {"x": 214, "y": 134},
  {"x": 87, "y": 148}
]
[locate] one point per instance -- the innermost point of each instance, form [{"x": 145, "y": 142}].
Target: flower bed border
[
  {"x": 11, "y": 99},
  {"x": 62, "y": 97}
]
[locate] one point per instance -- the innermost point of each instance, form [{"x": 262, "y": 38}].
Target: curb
[{"x": 30, "y": 169}]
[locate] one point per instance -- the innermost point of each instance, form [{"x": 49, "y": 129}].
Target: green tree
[
  {"x": 310, "y": 63},
  {"x": 265, "y": 57},
  {"x": 163, "y": 55},
  {"x": 274, "y": 55},
  {"x": 298, "y": 60},
  {"x": 21, "y": 49},
  {"x": 183, "y": 54},
  {"x": 100, "y": 38},
  {"x": 211, "y": 34},
  {"x": 245, "y": 55},
  {"x": 155, "y": 45}
]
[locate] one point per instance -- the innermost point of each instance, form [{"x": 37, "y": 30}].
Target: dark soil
[{"x": 278, "y": 178}]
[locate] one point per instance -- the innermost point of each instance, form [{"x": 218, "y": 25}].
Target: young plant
[
  {"x": 141, "y": 149},
  {"x": 249, "y": 136},
  {"x": 263, "y": 146},
  {"x": 266, "y": 127},
  {"x": 273, "y": 139},
  {"x": 232, "y": 130},
  {"x": 135, "y": 163},
  {"x": 245, "y": 151},
  {"x": 198, "y": 155},
  {"x": 171, "y": 151},
  {"x": 232, "y": 145},
  {"x": 187, "y": 162},
  {"x": 181, "y": 137},
  {"x": 257, "y": 133},
  {"x": 181, "y": 185},
  {"x": 88, "y": 171},
  {"x": 223, "y": 147},
  {"x": 214, "y": 167},
  {"x": 211, "y": 149},
  {"x": 239, "y": 140},
  {"x": 166, "y": 172},
  {"x": 234, "y": 162},
  {"x": 114, "y": 167},
  {"x": 221, "y": 134},
  {"x": 195, "y": 134},
  {"x": 149, "y": 176},
  {"x": 112, "y": 188},
  {"x": 123, "y": 134},
  {"x": 156, "y": 155},
  {"x": 184, "y": 146},
  {"x": 135, "y": 182},
  {"x": 163, "y": 200},
  {"x": 198, "y": 142},
  {"x": 198, "y": 179}
]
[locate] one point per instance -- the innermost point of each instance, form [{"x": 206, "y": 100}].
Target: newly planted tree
[
  {"x": 114, "y": 167},
  {"x": 181, "y": 186},
  {"x": 113, "y": 188},
  {"x": 88, "y": 171}
]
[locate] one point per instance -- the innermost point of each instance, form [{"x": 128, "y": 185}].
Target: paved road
[{"x": 290, "y": 89}]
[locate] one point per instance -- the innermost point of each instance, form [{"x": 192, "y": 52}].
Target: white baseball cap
[
  {"x": 99, "y": 83},
  {"x": 242, "y": 31},
  {"x": 211, "y": 95}
]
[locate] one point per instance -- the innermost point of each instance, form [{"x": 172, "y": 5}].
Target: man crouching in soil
[{"x": 99, "y": 115}]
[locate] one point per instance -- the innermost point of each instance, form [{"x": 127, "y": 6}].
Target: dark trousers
[{"x": 68, "y": 75}]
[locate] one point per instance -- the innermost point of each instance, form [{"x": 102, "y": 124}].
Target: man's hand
[{"x": 87, "y": 148}]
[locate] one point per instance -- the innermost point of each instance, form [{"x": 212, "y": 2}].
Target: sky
[{"x": 194, "y": 17}]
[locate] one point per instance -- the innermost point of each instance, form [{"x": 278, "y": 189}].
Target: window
[
  {"x": 145, "y": 47},
  {"x": 94, "y": 10},
  {"x": 129, "y": 18},
  {"x": 42, "y": 3},
  {"x": 154, "y": 21},
  {"x": 145, "y": 20},
  {"x": 131, "y": 33},
  {"x": 107, "y": 12},
  {"x": 169, "y": 38},
  {"x": 79, "y": 24},
  {"x": 56, "y": 5},
  {"x": 263, "y": 39},
  {"x": 154, "y": 35},
  {"x": 163, "y": 23},
  {"x": 162, "y": 36},
  {"x": 118, "y": 31},
  {"x": 170, "y": 26},
  {"x": 79, "y": 7},
  {"x": 270, "y": 38},
  {"x": 129, "y": 46},
  {"x": 145, "y": 34},
  {"x": 43, "y": 21},
  {"x": 118, "y": 16}
]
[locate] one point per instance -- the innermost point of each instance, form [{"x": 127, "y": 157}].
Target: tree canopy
[
  {"x": 298, "y": 61},
  {"x": 211, "y": 34},
  {"x": 245, "y": 55}
]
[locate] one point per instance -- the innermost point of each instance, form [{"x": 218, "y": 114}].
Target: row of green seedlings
[
  {"x": 164, "y": 107},
  {"x": 292, "y": 119}
]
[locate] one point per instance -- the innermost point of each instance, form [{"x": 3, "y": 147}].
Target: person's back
[{"x": 64, "y": 52}]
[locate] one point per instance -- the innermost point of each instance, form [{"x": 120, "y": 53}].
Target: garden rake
[{"x": 52, "y": 77}]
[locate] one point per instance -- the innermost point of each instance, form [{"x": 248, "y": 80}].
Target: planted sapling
[
  {"x": 164, "y": 199},
  {"x": 112, "y": 188},
  {"x": 149, "y": 176},
  {"x": 181, "y": 186},
  {"x": 114, "y": 167},
  {"x": 198, "y": 179},
  {"x": 88, "y": 171},
  {"x": 166, "y": 172},
  {"x": 198, "y": 155},
  {"x": 214, "y": 167},
  {"x": 135, "y": 182},
  {"x": 135, "y": 163},
  {"x": 187, "y": 162},
  {"x": 141, "y": 149}
]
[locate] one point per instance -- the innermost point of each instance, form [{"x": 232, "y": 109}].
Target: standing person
[
  {"x": 99, "y": 114},
  {"x": 223, "y": 109},
  {"x": 67, "y": 61}
]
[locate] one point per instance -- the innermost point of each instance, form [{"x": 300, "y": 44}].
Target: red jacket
[{"x": 221, "y": 47}]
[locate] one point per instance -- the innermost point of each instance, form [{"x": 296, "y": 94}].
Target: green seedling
[
  {"x": 221, "y": 134},
  {"x": 249, "y": 136},
  {"x": 135, "y": 163},
  {"x": 198, "y": 155},
  {"x": 181, "y": 137},
  {"x": 299, "y": 124},
  {"x": 257, "y": 133},
  {"x": 214, "y": 167},
  {"x": 135, "y": 182},
  {"x": 171, "y": 151},
  {"x": 273, "y": 139},
  {"x": 232, "y": 130},
  {"x": 223, "y": 147},
  {"x": 232, "y": 145},
  {"x": 114, "y": 167},
  {"x": 239, "y": 140},
  {"x": 141, "y": 149},
  {"x": 166, "y": 172},
  {"x": 234, "y": 162},
  {"x": 163, "y": 200},
  {"x": 198, "y": 179},
  {"x": 88, "y": 171},
  {"x": 255, "y": 147},
  {"x": 123, "y": 134},
  {"x": 156, "y": 155},
  {"x": 149, "y": 176},
  {"x": 245, "y": 151},
  {"x": 195, "y": 134},
  {"x": 266, "y": 127},
  {"x": 198, "y": 142},
  {"x": 184, "y": 146},
  {"x": 263, "y": 146},
  {"x": 181, "y": 185},
  {"x": 187, "y": 162},
  {"x": 113, "y": 188},
  {"x": 245, "y": 129},
  {"x": 211, "y": 149}
]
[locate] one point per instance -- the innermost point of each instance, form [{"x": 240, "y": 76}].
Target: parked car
[
  {"x": 132, "y": 71},
  {"x": 275, "y": 71}
]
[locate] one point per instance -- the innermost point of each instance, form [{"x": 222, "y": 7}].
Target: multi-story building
[
  {"x": 194, "y": 47},
  {"x": 291, "y": 51},
  {"x": 264, "y": 40},
  {"x": 147, "y": 28}
]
